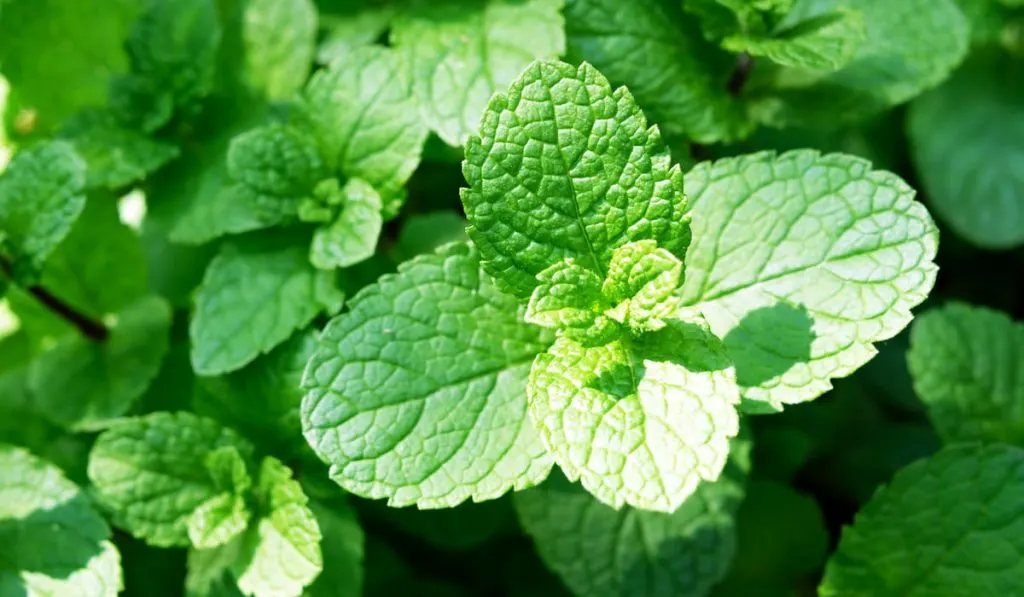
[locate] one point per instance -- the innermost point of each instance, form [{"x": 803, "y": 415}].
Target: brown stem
[{"x": 90, "y": 328}]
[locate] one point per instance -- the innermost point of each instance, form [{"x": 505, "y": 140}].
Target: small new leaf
[
  {"x": 569, "y": 296},
  {"x": 352, "y": 237},
  {"x": 643, "y": 283},
  {"x": 217, "y": 521}
]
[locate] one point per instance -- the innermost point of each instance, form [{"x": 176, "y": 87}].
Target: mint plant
[{"x": 309, "y": 298}]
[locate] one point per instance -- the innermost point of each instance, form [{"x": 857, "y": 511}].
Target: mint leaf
[
  {"x": 639, "y": 421},
  {"x": 352, "y": 236},
  {"x": 108, "y": 377},
  {"x": 422, "y": 233},
  {"x": 436, "y": 427},
  {"x": 54, "y": 542},
  {"x": 947, "y": 513},
  {"x": 461, "y": 53},
  {"x": 643, "y": 283},
  {"x": 599, "y": 551},
  {"x": 963, "y": 141},
  {"x": 146, "y": 471},
  {"x": 40, "y": 198},
  {"x": 620, "y": 187},
  {"x": 678, "y": 78},
  {"x": 279, "y": 38},
  {"x": 965, "y": 364},
  {"x": 342, "y": 547},
  {"x": 824, "y": 42},
  {"x": 281, "y": 553},
  {"x": 363, "y": 114},
  {"x": 568, "y": 296},
  {"x": 800, "y": 279},
  {"x": 217, "y": 521},
  {"x": 255, "y": 294},
  {"x": 349, "y": 25}
]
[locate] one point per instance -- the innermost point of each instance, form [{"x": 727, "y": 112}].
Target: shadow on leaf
[{"x": 768, "y": 342}]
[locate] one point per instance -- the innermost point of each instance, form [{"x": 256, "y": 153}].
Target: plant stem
[
  {"x": 87, "y": 326},
  {"x": 744, "y": 63}
]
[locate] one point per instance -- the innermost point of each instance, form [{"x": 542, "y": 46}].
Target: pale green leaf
[
  {"x": 565, "y": 166},
  {"x": 52, "y": 542},
  {"x": 822, "y": 42},
  {"x": 280, "y": 554},
  {"x": 217, "y": 521},
  {"x": 363, "y": 113},
  {"x": 461, "y": 52},
  {"x": 643, "y": 283},
  {"x": 106, "y": 377},
  {"x": 678, "y": 78},
  {"x": 352, "y": 237},
  {"x": 951, "y": 524},
  {"x": 966, "y": 366},
  {"x": 568, "y": 296},
  {"x": 254, "y": 296},
  {"x": 279, "y": 38},
  {"x": 40, "y": 198},
  {"x": 964, "y": 141},
  {"x": 640, "y": 422},
  {"x": 147, "y": 472},
  {"x": 417, "y": 393},
  {"x": 801, "y": 262}
]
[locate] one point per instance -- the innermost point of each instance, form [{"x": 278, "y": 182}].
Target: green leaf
[
  {"x": 423, "y": 233},
  {"x": 40, "y": 198},
  {"x": 145, "y": 472},
  {"x": 599, "y": 551},
  {"x": 461, "y": 52},
  {"x": 262, "y": 399},
  {"x": 217, "y": 521},
  {"x": 639, "y": 421},
  {"x": 255, "y": 295},
  {"x": 643, "y": 282},
  {"x": 363, "y": 114},
  {"x": 209, "y": 572},
  {"x": 800, "y": 280},
  {"x": 116, "y": 156},
  {"x": 350, "y": 25},
  {"x": 427, "y": 427},
  {"x": 963, "y": 138},
  {"x": 965, "y": 362},
  {"x": 353, "y": 235},
  {"x": 958, "y": 520},
  {"x": 824, "y": 42},
  {"x": 720, "y": 18},
  {"x": 342, "y": 547},
  {"x": 58, "y": 55},
  {"x": 678, "y": 78},
  {"x": 54, "y": 542},
  {"x": 620, "y": 187},
  {"x": 987, "y": 19},
  {"x": 107, "y": 377},
  {"x": 568, "y": 296},
  {"x": 172, "y": 49},
  {"x": 280, "y": 554},
  {"x": 279, "y": 38},
  {"x": 910, "y": 46}
]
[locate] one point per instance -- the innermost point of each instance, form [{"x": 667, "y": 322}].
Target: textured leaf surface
[
  {"x": 279, "y": 38},
  {"x": 115, "y": 156},
  {"x": 54, "y": 544},
  {"x": 363, "y": 113},
  {"x": 958, "y": 520},
  {"x": 801, "y": 262},
  {"x": 566, "y": 167},
  {"x": 417, "y": 393},
  {"x": 107, "y": 378},
  {"x": 253, "y": 297},
  {"x": 599, "y": 551},
  {"x": 217, "y": 521},
  {"x": 678, "y": 78},
  {"x": 823, "y": 42},
  {"x": 149, "y": 472},
  {"x": 352, "y": 237},
  {"x": 964, "y": 140},
  {"x": 40, "y": 198},
  {"x": 966, "y": 366},
  {"x": 462, "y": 52},
  {"x": 640, "y": 422},
  {"x": 281, "y": 553}
]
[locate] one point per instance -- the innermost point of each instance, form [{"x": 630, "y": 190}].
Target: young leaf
[
  {"x": 620, "y": 186},
  {"x": 148, "y": 472},
  {"x": 217, "y": 521},
  {"x": 963, "y": 138},
  {"x": 568, "y": 296},
  {"x": 643, "y": 282},
  {"x": 255, "y": 294},
  {"x": 825, "y": 42},
  {"x": 800, "y": 280},
  {"x": 279, "y": 38},
  {"x": 40, "y": 198},
  {"x": 965, "y": 362},
  {"x": 353, "y": 235},
  {"x": 363, "y": 114},
  {"x": 462, "y": 52},
  {"x": 280, "y": 554},
  {"x": 107, "y": 377},
  {"x": 638, "y": 421},
  {"x": 678, "y": 78},
  {"x": 599, "y": 551},
  {"x": 55, "y": 543},
  {"x": 958, "y": 520},
  {"x": 427, "y": 427}
]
